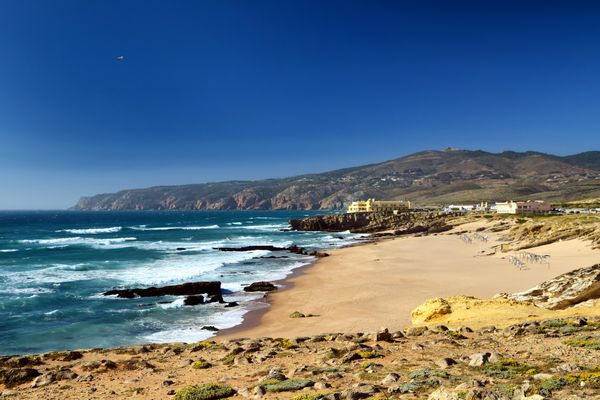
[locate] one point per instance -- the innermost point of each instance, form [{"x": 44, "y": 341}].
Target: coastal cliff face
[
  {"x": 409, "y": 222},
  {"x": 428, "y": 177}
]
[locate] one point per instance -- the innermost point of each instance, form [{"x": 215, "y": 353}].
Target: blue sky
[{"x": 218, "y": 90}]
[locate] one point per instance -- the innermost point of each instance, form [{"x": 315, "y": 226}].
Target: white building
[{"x": 522, "y": 207}]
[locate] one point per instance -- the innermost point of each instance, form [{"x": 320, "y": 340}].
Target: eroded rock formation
[{"x": 565, "y": 290}]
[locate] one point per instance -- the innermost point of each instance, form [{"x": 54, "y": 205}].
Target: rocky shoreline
[
  {"x": 534, "y": 360},
  {"x": 403, "y": 223}
]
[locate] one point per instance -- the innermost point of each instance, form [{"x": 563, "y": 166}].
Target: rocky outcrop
[
  {"x": 565, "y": 290},
  {"x": 292, "y": 249},
  {"x": 185, "y": 289},
  {"x": 430, "y": 310},
  {"x": 194, "y": 300},
  {"x": 409, "y": 222},
  {"x": 260, "y": 287}
]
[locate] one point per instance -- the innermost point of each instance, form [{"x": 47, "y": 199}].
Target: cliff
[{"x": 429, "y": 177}]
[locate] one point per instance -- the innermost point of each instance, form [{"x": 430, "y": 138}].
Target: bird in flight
[{"x": 120, "y": 58}]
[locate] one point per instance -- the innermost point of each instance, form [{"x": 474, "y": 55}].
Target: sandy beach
[{"x": 364, "y": 288}]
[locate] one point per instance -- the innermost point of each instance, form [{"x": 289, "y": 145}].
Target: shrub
[
  {"x": 201, "y": 364},
  {"x": 506, "y": 369},
  {"x": 287, "y": 344},
  {"x": 287, "y": 385},
  {"x": 310, "y": 396},
  {"x": 588, "y": 342},
  {"x": 428, "y": 373},
  {"x": 211, "y": 391},
  {"x": 368, "y": 354}
]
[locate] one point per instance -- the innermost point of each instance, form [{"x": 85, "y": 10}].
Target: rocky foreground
[{"x": 552, "y": 359}]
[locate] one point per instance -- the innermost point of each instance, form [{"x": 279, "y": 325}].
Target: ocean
[{"x": 55, "y": 265}]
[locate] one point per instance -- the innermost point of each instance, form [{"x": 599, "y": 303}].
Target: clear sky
[{"x": 218, "y": 90}]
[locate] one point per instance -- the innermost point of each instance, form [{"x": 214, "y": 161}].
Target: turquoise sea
[{"x": 55, "y": 265}]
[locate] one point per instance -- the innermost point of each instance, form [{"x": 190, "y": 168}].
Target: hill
[{"x": 427, "y": 178}]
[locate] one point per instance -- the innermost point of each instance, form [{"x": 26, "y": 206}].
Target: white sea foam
[
  {"x": 267, "y": 227},
  {"x": 8, "y": 250},
  {"x": 78, "y": 240},
  {"x": 92, "y": 231},
  {"x": 233, "y": 223},
  {"x": 174, "y": 304},
  {"x": 32, "y": 291},
  {"x": 190, "y": 330},
  {"x": 51, "y": 312},
  {"x": 175, "y": 267},
  {"x": 174, "y": 228}
]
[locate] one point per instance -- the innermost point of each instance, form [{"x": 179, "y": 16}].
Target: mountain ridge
[{"x": 426, "y": 177}]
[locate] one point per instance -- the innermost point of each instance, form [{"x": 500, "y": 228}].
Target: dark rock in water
[
  {"x": 194, "y": 300},
  {"x": 217, "y": 298},
  {"x": 210, "y": 328},
  {"x": 292, "y": 249},
  {"x": 185, "y": 289},
  {"x": 16, "y": 376},
  {"x": 260, "y": 287},
  {"x": 180, "y": 249},
  {"x": 232, "y": 304},
  {"x": 251, "y": 248},
  {"x": 273, "y": 257}
]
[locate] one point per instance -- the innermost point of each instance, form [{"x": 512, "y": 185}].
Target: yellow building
[{"x": 372, "y": 205}]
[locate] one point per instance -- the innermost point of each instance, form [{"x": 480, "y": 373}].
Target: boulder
[
  {"x": 430, "y": 310},
  {"x": 194, "y": 300},
  {"x": 16, "y": 376},
  {"x": 43, "y": 380},
  {"x": 260, "y": 287},
  {"x": 479, "y": 359}
]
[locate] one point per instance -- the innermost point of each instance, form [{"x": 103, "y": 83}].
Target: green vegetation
[
  {"x": 365, "y": 354},
  {"x": 310, "y": 396},
  {"x": 509, "y": 368},
  {"x": 454, "y": 335},
  {"x": 287, "y": 344},
  {"x": 408, "y": 387},
  {"x": 426, "y": 373},
  {"x": 589, "y": 342},
  {"x": 591, "y": 379},
  {"x": 203, "y": 346},
  {"x": 370, "y": 364},
  {"x": 287, "y": 385},
  {"x": 228, "y": 359},
  {"x": 201, "y": 364},
  {"x": 211, "y": 391}
]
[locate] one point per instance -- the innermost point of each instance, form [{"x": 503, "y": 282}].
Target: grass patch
[
  {"x": 203, "y": 346},
  {"x": 427, "y": 373},
  {"x": 507, "y": 369},
  {"x": 588, "y": 342},
  {"x": 287, "y": 385},
  {"x": 365, "y": 354},
  {"x": 310, "y": 396},
  {"x": 211, "y": 391}
]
